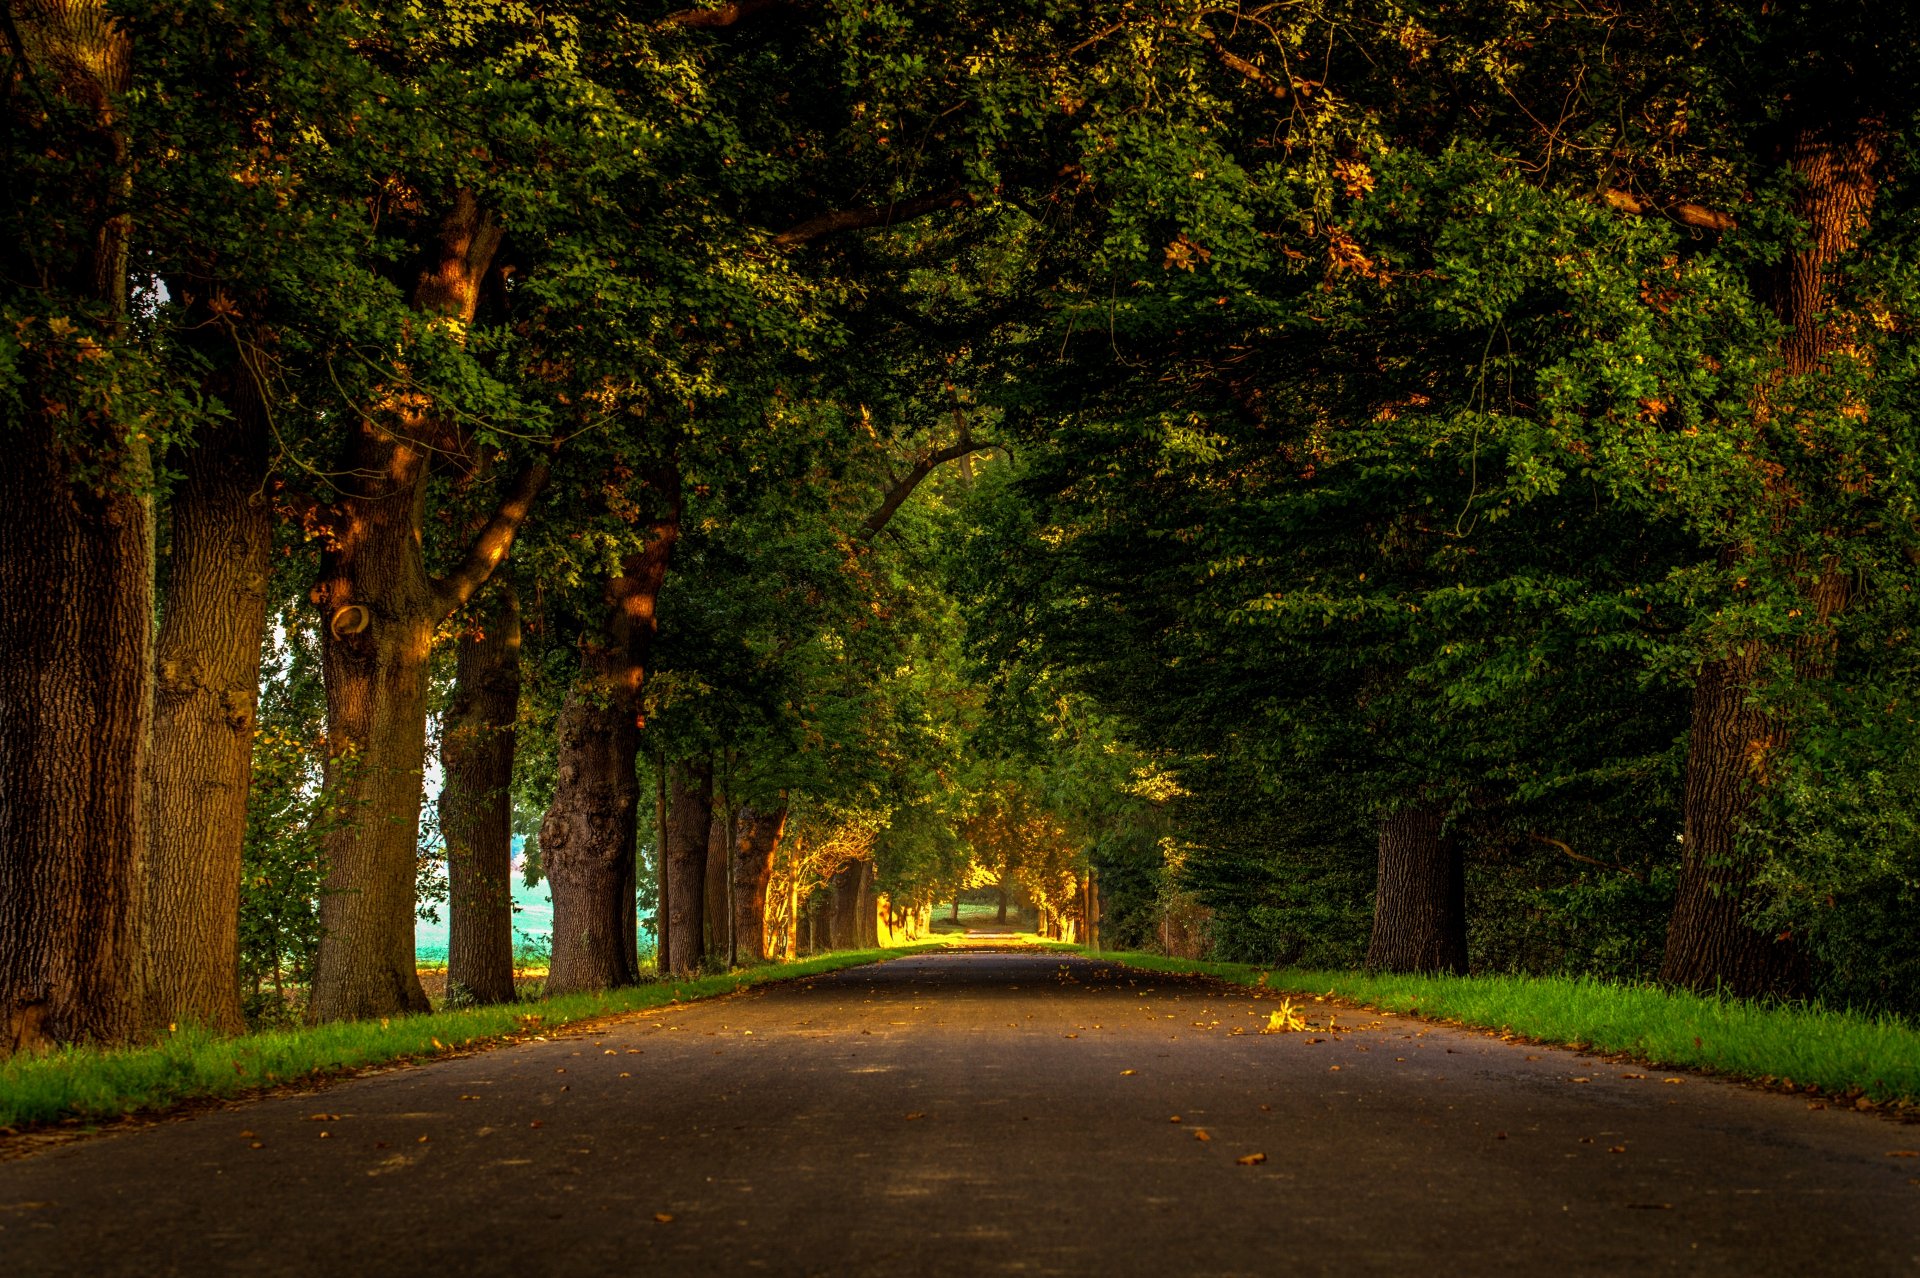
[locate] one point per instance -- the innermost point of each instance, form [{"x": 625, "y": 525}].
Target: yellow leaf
[
  {"x": 1248, "y": 1160},
  {"x": 664, "y": 1217},
  {"x": 1201, "y": 1133}
]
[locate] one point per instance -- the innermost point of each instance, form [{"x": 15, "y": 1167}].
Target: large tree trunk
[
  {"x": 756, "y": 840},
  {"x": 719, "y": 853},
  {"x": 1710, "y": 945},
  {"x": 843, "y": 910},
  {"x": 660, "y": 866},
  {"x": 76, "y": 571},
  {"x": 208, "y": 667},
  {"x": 589, "y": 837},
  {"x": 379, "y": 610},
  {"x": 1420, "y": 903},
  {"x": 586, "y": 843},
  {"x": 689, "y": 820},
  {"x": 867, "y": 911},
  {"x": 476, "y": 803}
]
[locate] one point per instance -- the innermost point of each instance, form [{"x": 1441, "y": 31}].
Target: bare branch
[
  {"x": 860, "y": 219},
  {"x": 1587, "y": 860},
  {"x": 492, "y": 542},
  {"x": 724, "y": 15},
  {"x": 903, "y": 487},
  {"x": 1698, "y": 216},
  {"x": 1240, "y": 66}
]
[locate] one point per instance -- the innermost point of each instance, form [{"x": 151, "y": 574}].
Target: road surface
[{"x": 1006, "y": 1112}]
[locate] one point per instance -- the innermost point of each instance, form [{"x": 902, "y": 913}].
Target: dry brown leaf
[
  {"x": 1201, "y": 1133},
  {"x": 1248, "y": 1160},
  {"x": 664, "y": 1217}
]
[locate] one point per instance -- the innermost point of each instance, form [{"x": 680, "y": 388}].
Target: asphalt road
[{"x": 984, "y": 1114}]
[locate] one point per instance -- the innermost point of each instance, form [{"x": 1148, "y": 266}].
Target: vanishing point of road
[{"x": 1009, "y": 1112}]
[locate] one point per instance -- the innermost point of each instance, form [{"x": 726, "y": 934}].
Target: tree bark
[
  {"x": 76, "y": 569},
  {"x": 212, "y": 625},
  {"x": 689, "y": 819},
  {"x": 716, "y": 921},
  {"x": 867, "y": 911},
  {"x": 756, "y": 840},
  {"x": 1002, "y": 917},
  {"x": 1420, "y": 903},
  {"x": 660, "y": 865},
  {"x": 1710, "y": 945},
  {"x": 379, "y": 613},
  {"x": 590, "y": 835},
  {"x": 476, "y": 803},
  {"x": 843, "y": 917}
]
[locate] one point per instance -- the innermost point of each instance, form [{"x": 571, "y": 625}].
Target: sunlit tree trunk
[
  {"x": 213, "y": 622},
  {"x": 76, "y": 567},
  {"x": 756, "y": 841},
  {"x": 476, "y": 802},
  {"x": 1710, "y": 944},
  {"x": 689, "y": 821},
  {"x": 1419, "y": 904}
]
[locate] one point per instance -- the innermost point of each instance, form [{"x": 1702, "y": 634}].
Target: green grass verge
[
  {"x": 1837, "y": 1053},
  {"x": 92, "y": 1084}
]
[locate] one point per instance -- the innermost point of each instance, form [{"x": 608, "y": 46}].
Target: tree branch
[
  {"x": 724, "y": 15},
  {"x": 1587, "y": 860},
  {"x": 860, "y": 219},
  {"x": 903, "y": 487},
  {"x": 491, "y": 543},
  {"x": 1698, "y": 216},
  {"x": 1240, "y": 66}
]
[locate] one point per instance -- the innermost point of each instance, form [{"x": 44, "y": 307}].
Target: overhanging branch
[
  {"x": 861, "y": 219},
  {"x": 902, "y": 488},
  {"x": 724, "y": 15},
  {"x": 493, "y": 541}
]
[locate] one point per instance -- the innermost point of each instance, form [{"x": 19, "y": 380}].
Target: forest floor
[{"x": 1002, "y": 1112}]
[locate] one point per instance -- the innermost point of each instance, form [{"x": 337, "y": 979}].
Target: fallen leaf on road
[
  {"x": 1248, "y": 1160},
  {"x": 1580, "y": 1080},
  {"x": 1616, "y": 1149},
  {"x": 1333, "y": 1069},
  {"x": 256, "y": 1145},
  {"x": 1201, "y": 1133},
  {"x": 421, "y": 1141},
  {"x": 1125, "y": 1073},
  {"x": 1174, "y": 1119},
  {"x": 1287, "y": 1018},
  {"x": 1673, "y": 1080},
  {"x": 536, "y": 1123},
  {"x": 1633, "y": 1076},
  {"x": 1069, "y": 1036},
  {"x": 664, "y": 1217},
  {"x": 1903, "y": 1153},
  {"x": 914, "y": 1115},
  {"x": 624, "y": 1074},
  {"x": 1650, "y": 1206}
]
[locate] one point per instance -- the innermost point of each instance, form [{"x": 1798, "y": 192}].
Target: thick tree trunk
[
  {"x": 868, "y": 909},
  {"x": 1002, "y": 916},
  {"x": 689, "y": 819},
  {"x": 586, "y": 843},
  {"x": 843, "y": 908},
  {"x": 589, "y": 837},
  {"x": 660, "y": 866},
  {"x": 756, "y": 840},
  {"x": 208, "y": 674},
  {"x": 379, "y": 611},
  {"x": 716, "y": 922},
  {"x": 76, "y": 571},
  {"x": 1420, "y": 903},
  {"x": 476, "y": 803},
  {"x": 1710, "y": 945}
]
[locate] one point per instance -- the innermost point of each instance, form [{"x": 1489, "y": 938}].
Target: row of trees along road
[{"x": 1426, "y": 485}]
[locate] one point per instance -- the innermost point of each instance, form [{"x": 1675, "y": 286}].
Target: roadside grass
[
  {"x": 1867, "y": 1061},
  {"x": 91, "y": 1084}
]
